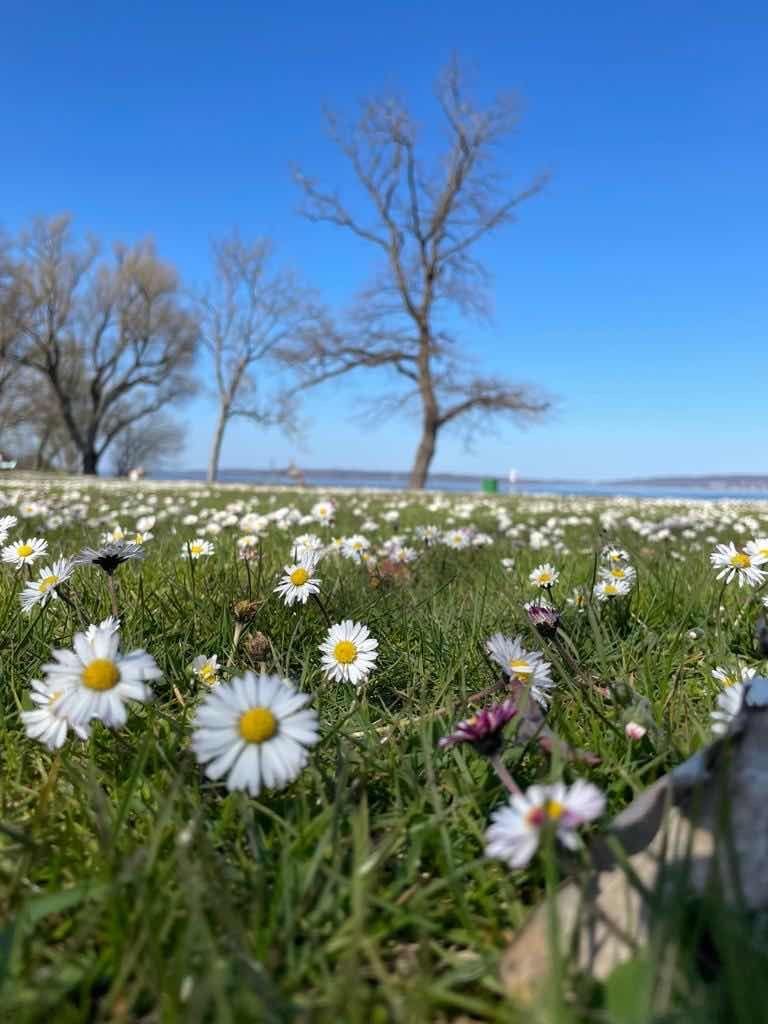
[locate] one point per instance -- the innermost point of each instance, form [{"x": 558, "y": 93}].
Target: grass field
[{"x": 134, "y": 888}]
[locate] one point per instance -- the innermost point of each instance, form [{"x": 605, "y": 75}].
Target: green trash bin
[{"x": 490, "y": 485}]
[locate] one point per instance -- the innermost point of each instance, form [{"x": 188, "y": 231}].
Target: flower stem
[
  {"x": 321, "y": 606},
  {"x": 113, "y": 594},
  {"x": 501, "y": 770}
]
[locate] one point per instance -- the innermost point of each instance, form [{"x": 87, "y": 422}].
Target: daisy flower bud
[
  {"x": 634, "y": 731},
  {"x": 544, "y": 619},
  {"x": 483, "y": 730}
]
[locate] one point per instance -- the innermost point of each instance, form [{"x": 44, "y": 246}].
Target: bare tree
[
  {"x": 246, "y": 316},
  {"x": 426, "y": 225},
  {"x": 146, "y": 444},
  {"x": 112, "y": 340}
]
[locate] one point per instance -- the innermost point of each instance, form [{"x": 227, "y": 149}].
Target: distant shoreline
[{"x": 715, "y": 482}]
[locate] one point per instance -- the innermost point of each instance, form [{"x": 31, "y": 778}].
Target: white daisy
[
  {"x": 46, "y": 723},
  {"x": 457, "y": 540},
  {"x": 298, "y": 584},
  {"x": 616, "y": 571},
  {"x": 255, "y": 730},
  {"x": 515, "y": 830},
  {"x": 324, "y": 512},
  {"x": 44, "y": 588},
  {"x": 544, "y": 575},
  {"x": 606, "y": 590},
  {"x": 758, "y": 546},
  {"x": 97, "y": 679},
  {"x": 206, "y": 669},
  {"x": 526, "y": 667},
  {"x": 25, "y": 552},
  {"x": 744, "y": 565},
  {"x": 349, "y": 652},
  {"x": 197, "y": 548},
  {"x": 354, "y": 547},
  {"x": 732, "y": 677}
]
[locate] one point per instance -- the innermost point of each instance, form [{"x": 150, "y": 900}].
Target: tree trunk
[
  {"x": 218, "y": 437},
  {"x": 424, "y": 454},
  {"x": 90, "y": 463}
]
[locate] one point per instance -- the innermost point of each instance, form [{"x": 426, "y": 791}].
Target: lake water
[{"x": 399, "y": 481}]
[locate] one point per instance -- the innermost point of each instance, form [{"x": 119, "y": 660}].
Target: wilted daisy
[
  {"x": 483, "y": 730},
  {"x": 110, "y": 556},
  {"x": 255, "y": 730},
  {"x": 527, "y": 668},
  {"x": 44, "y": 588},
  {"x": 97, "y": 680},
  {"x": 543, "y": 617},
  {"x": 349, "y": 652},
  {"x": 741, "y": 564},
  {"x": 297, "y": 583},
  {"x": 606, "y": 590},
  {"x": 197, "y": 548},
  {"x": 515, "y": 830},
  {"x": 206, "y": 669},
  {"x": 544, "y": 576},
  {"x": 46, "y": 724},
  {"x": 25, "y": 552}
]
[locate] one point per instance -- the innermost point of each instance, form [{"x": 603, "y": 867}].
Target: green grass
[{"x": 133, "y": 889}]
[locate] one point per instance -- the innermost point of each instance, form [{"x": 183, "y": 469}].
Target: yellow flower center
[
  {"x": 345, "y": 652},
  {"x": 23, "y": 550},
  {"x": 520, "y": 666},
  {"x": 544, "y": 577},
  {"x": 208, "y": 674},
  {"x": 728, "y": 681},
  {"x": 299, "y": 577},
  {"x": 101, "y": 674},
  {"x": 257, "y": 725},
  {"x": 554, "y": 810},
  {"x": 611, "y": 588},
  {"x": 741, "y": 560},
  {"x": 44, "y": 585},
  {"x": 618, "y": 572},
  {"x": 196, "y": 549}
]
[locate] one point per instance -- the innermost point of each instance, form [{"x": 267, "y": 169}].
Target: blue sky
[{"x": 634, "y": 287}]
